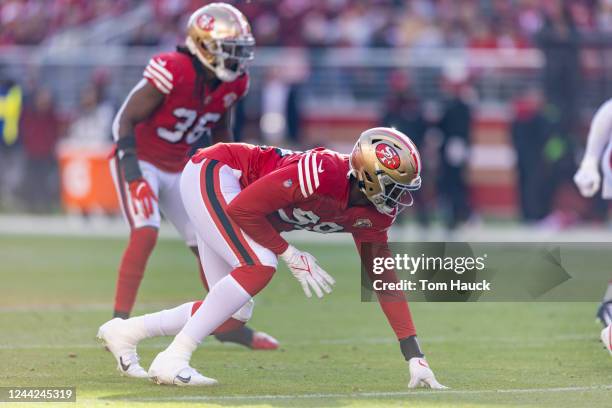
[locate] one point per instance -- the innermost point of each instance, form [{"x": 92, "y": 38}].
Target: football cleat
[
  {"x": 606, "y": 338},
  {"x": 118, "y": 338},
  {"x": 422, "y": 376},
  {"x": 263, "y": 341},
  {"x": 172, "y": 370},
  {"x": 604, "y": 313}
]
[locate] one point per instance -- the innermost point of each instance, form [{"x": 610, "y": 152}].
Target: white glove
[
  {"x": 306, "y": 270},
  {"x": 587, "y": 177},
  {"x": 422, "y": 376}
]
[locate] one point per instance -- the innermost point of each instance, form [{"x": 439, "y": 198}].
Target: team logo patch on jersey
[
  {"x": 362, "y": 223},
  {"x": 287, "y": 183},
  {"x": 387, "y": 155},
  {"x": 229, "y": 99},
  {"x": 205, "y": 22}
]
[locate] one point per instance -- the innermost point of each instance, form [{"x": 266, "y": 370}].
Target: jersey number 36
[{"x": 186, "y": 118}]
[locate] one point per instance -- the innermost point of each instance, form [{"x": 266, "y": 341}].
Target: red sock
[
  {"x": 141, "y": 244},
  {"x": 229, "y": 325}
]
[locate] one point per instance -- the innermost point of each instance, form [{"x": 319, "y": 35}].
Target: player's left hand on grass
[
  {"x": 422, "y": 376},
  {"x": 142, "y": 193},
  {"x": 306, "y": 270}
]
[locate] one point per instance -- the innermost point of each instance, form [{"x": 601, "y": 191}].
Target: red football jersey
[
  {"x": 285, "y": 190},
  {"x": 186, "y": 115},
  {"x": 297, "y": 191}
]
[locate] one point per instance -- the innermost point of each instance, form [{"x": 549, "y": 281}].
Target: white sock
[
  {"x": 182, "y": 346},
  {"x": 223, "y": 300},
  {"x": 164, "y": 323}
]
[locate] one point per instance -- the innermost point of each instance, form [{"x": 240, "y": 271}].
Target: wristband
[
  {"x": 410, "y": 348},
  {"x": 128, "y": 160}
]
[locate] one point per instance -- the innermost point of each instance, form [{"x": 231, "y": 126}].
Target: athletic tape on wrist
[
  {"x": 410, "y": 348},
  {"x": 128, "y": 160}
]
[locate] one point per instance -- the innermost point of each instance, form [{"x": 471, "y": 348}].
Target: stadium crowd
[
  {"x": 380, "y": 23},
  {"x": 544, "y": 129}
]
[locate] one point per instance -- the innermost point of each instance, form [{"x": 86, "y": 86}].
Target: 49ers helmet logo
[
  {"x": 205, "y": 22},
  {"x": 387, "y": 155}
]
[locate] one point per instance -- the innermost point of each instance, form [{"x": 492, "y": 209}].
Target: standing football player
[
  {"x": 239, "y": 197},
  {"x": 588, "y": 180},
  {"x": 184, "y": 99}
]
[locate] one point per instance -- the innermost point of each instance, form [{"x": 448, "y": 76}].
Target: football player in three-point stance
[
  {"x": 598, "y": 155},
  {"x": 239, "y": 198},
  {"x": 184, "y": 100}
]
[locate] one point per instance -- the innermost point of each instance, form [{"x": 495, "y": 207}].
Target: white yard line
[
  {"x": 109, "y": 227},
  {"x": 115, "y": 227},
  {"x": 195, "y": 398},
  {"x": 535, "y": 341},
  {"x": 78, "y": 307}
]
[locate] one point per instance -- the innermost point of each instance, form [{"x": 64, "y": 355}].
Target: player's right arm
[
  {"x": 157, "y": 82},
  {"x": 587, "y": 177},
  {"x": 395, "y": 307},
  {"x": 250, "y": 209},
  {"x": 140, "y": 104}
]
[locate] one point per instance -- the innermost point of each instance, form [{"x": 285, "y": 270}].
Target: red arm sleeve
[
  {"x": 393, "y": 303},
  {"x": 252, "y": 205}
]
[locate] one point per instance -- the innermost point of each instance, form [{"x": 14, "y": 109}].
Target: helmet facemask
[
  {"x": 229, "y": 57},
  {"x": 393, "y": 197}
]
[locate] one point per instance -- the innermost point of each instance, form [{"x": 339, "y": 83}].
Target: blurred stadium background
[{"x": 498, "y": 94}]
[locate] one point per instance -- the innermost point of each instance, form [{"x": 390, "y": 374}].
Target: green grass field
[{"x": 55, "y": 292}]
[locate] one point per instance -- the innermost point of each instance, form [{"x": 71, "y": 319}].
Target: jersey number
[
  {"x": 185, "y": 120},
  {"x": 307, "y": 220}
]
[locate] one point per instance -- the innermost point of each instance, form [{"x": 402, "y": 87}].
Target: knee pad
[{"x": 253, "y": 278}]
